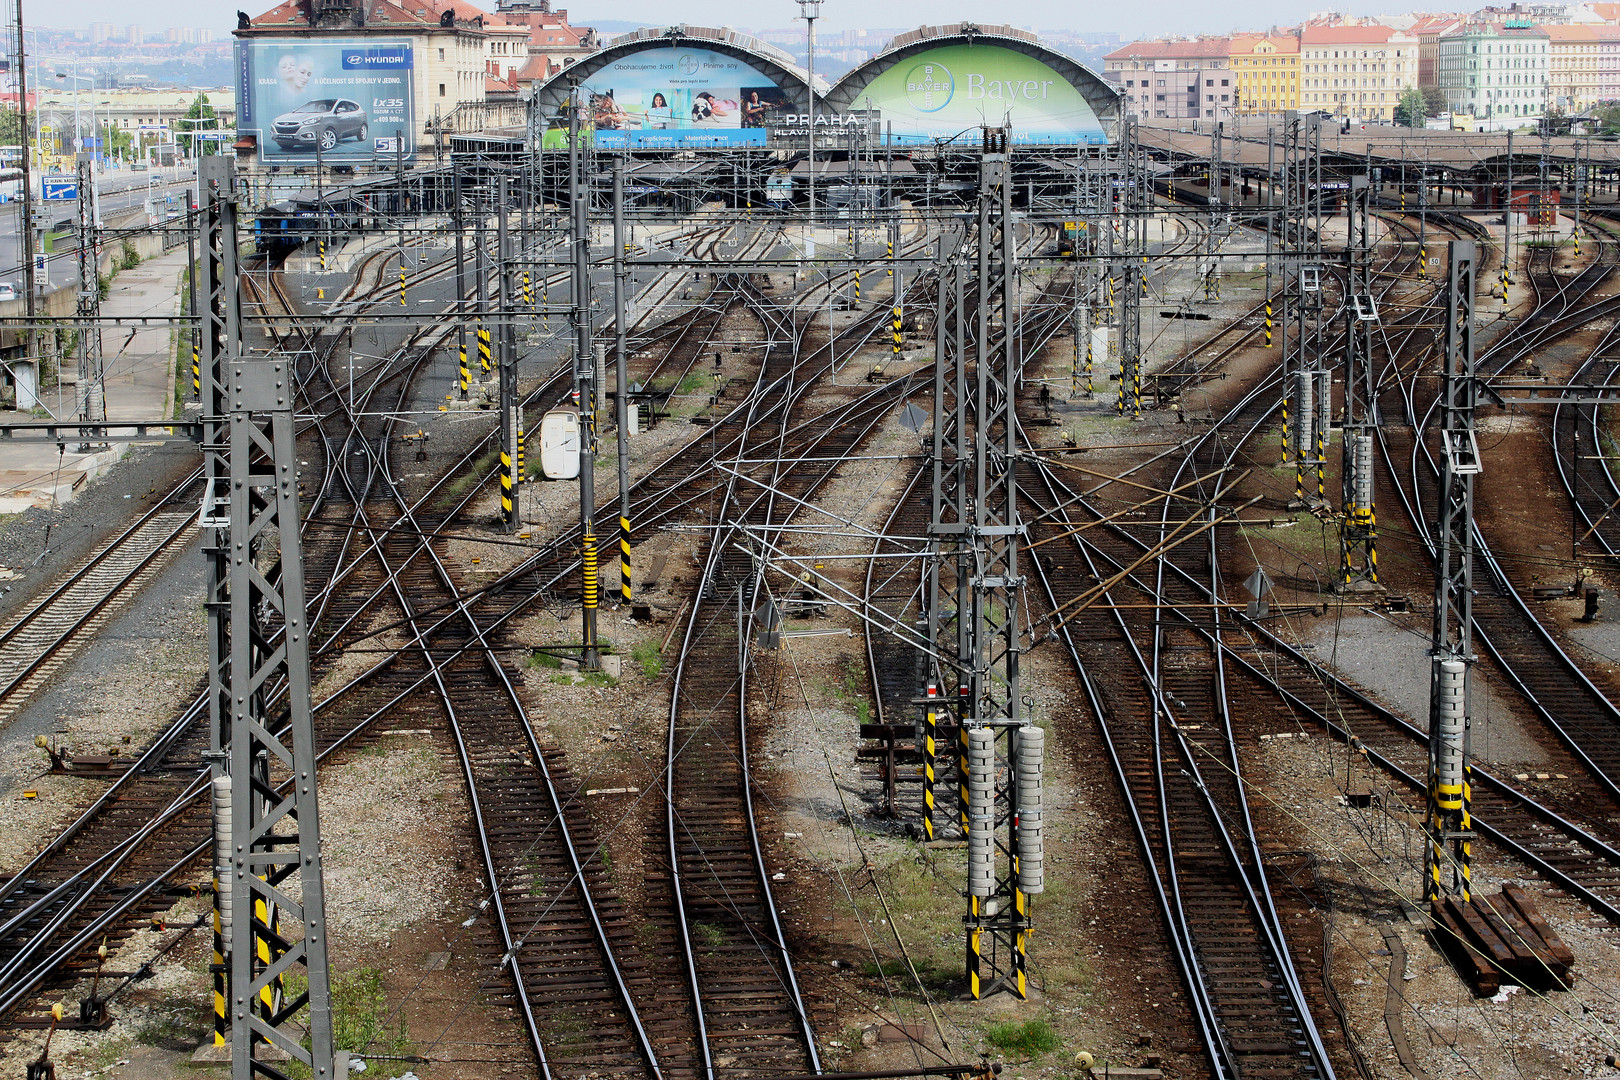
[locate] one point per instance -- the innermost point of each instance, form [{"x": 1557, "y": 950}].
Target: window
[
  {"x": 1225, "y": 83},
  {"x": 1209, "y": 82},
  {"x": 441, "y": 54},
  {"x": 441, "y": 89}
]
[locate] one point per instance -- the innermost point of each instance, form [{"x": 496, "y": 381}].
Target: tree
[
  {"x": 1434, "y": 101},
  {"x": 10, "y": 127},
  {"x": 200, "y": 117},
  {"x": 1411, "y": 109},
  {"x": 1608, "y": 118}
]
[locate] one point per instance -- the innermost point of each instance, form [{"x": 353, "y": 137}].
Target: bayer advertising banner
[
  {"x": 943, "y": 91},
  {"x": 351, "y": 100},
  {"x": 681, "y": 97}
]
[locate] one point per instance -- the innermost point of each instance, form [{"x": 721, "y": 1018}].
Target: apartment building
[
  {"x": 1583, "y": 65},
  {"x": 1427, "y": 29},
  {"x": 1178, "y": 79},
  {"x": 1357, "y": 71},
  {"x": 1265, "y": 73},
  {"x": 1495, "y": 75}
]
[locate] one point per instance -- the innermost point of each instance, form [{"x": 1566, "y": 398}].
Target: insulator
[
  {"x": 981, "y": 812},
  {"x": 1324, "y": 405},
  {"x": 222, "y": 849},
  {"x": 1029, "y": 752},
  {"x": 1364, "y": 471},
  {"x": 1304, "y": 416},
  {"x": 1451, "y": 709}
]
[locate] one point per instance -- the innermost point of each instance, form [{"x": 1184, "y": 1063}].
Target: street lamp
[{"x": 810, "y": 11}]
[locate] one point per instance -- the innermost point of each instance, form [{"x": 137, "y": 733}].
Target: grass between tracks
[{"x": 362, "y": 1021}]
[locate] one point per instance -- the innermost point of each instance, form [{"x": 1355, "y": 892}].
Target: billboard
[
  {"x": 674, "y": 97},
  {"x": 346, "y": 98},
  {"x": 940, "y": 92}
]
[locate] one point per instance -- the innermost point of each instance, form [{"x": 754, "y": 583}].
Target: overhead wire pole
[
  {"x": 977, "y": 527},
  {"x": 621, "y": 376},
  {"x": 584, "y": 378},
  {"x": 262, "y": 758},
  {"x": 1358, "y": 527},
  {"x": 511, "y": 407},
  {"x": 1449, "y": 821},
  {"x": 219, "y": 327},
  {"x": 92, "y": 393},
  {"x": 464, "y": 377}
]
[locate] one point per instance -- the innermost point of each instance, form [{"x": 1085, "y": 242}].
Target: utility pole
[
  {"x": 1450, "y": 771},
  {"x": 192, "y": 270},
  {"x": 92, "y": 394},
  {"x": 510, "y": 406},
  {"x": 584, "y": 380},
  {"x": 26, "y": 226},
  {"x": 463, "y": 377},
  {"x": 621, "y": 404},
  {"x": 975, "y": 531},
  {"x": 267, "y": 825},
  {"x": 809, "y": 11},
  {"x": 1359, "y": 526}
]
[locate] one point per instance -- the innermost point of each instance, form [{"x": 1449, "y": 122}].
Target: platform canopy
[
  {"x": 677, "y": 87},
  {"x": 938, "y": 82}
]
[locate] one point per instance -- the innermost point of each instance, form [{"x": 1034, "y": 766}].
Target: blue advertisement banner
[
  {"x": 680, "y": 137},
  {"x": 346, "y": 100},
  {"x": 681, "y": 97}
]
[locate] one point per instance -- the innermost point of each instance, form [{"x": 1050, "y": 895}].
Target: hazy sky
[{"x": 1139, "y": 19}]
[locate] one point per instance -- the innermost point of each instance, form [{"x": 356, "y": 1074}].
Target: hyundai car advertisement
[
  {"x": 345, "y": 101},
  {"x": 681, "y": 97},
  {"x": 941, "y": 92}
]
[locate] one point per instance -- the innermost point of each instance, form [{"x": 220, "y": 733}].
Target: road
[{"x": 120, "y": 192}]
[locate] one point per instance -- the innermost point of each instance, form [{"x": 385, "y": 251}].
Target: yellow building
[{"x": 1266, "y": 67}]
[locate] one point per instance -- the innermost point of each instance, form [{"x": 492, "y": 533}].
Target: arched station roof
[{"x": 985, "y": 73}]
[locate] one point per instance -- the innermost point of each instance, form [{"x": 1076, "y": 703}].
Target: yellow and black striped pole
[
  {"x": 506, "y": 487},
  {"x": 528, "y": 290},
  {"x": 402, "y": 285},
  {"x": 624, "y": 560},
  {"x": 975, "y": 958},
  {"x": 1136, "y": 387},
  {"x": 1285, "y": 427},
  {"x": 1090, "y": 390},
  {"x": 895, "y": 322},
  {"x": 483, "y": 347},
  {"x": 521, "y": 475},
  {"x": 891, "y": 258},
  {"x": 1020, "y": 957},
  {"x": 545, "y": 305},
  {"x": 220, "y": 1023},
  {"x": 320, "y": 246},
  {"x": 461, "y": 358},
  {"x": 857, "y": 287},
  {"x": 930, "y": 749},
  {"x": 196, "y": 365},
  {"x": 1423, "y": 259},
  {"x": 591, "y": 577},
  {"x": 1269, "y": 322}
]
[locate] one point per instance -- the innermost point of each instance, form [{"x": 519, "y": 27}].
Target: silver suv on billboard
[{"x": 324, "y": 122}]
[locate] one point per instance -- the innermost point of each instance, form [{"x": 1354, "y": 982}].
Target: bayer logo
[
  {"x": 929, "y": 86},
  {"x": 688, "y": 64}
]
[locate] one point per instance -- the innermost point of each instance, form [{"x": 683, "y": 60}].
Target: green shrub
[{"x": 1030, "y": 1039}]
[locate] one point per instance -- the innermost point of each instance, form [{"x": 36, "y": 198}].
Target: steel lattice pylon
[
  {"x": 976, "y": 530},
  {"x": 92, "y": 391},
  {"x": 1358, "y": 532},
  {"x": 262, "y": 746},
  {"x": 1450, "y": 772}
]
